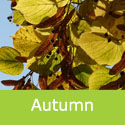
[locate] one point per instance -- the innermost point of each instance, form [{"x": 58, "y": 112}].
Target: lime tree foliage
[{"x": 69, "y": 43}]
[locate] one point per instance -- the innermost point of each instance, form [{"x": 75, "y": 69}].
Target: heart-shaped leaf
[
  {"x": 27, "y": 41},
  {"x": 8, "y": 63},
  {"x": 82, "y": 73},
  {"x": 36, "y": 11},
  {"x": 45, "y": 65},
  {"x": 100, "y": 50},
  {"x": 100, "y": 78}
]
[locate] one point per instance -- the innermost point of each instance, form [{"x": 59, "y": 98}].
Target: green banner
[{"x": 62, "y": 107}]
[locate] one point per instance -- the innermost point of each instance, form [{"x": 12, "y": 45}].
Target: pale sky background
[{"x": 8, "y": 29}]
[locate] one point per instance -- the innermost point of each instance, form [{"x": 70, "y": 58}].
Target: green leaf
[
  {"x": 36, "y": 11},
  {"x": 8, "y": 63},
  {"x": 91, "y": 9},
  {"x": 111, "y": 23},
  {"x": 100, "y": 7},
  {"x": 60, "y": 3},
  {"x": 85, "y": 8},
  {"x": 100, "y": 50},
  {"x": 101, "y": 77},
  {"x": 77, "y": 28},
  {"x": 82, "y": 73},
  {"x": 98, "y": 28},
  {"x": 27, "y": 41},
  {"x": 18, "y": 18},
  {"x": 45, "y": 31},
  {"x": 45, "y": 65},
  {"x": 123, "y": 44},
  {"x": 81, "y": 57}
]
